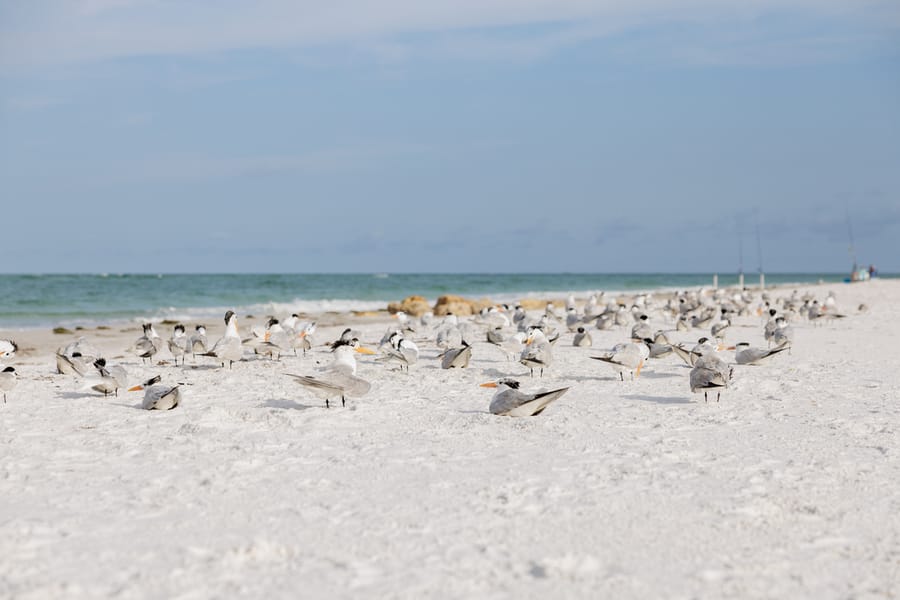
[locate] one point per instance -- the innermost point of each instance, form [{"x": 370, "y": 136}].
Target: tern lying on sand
[{"x": 509, "y": 401}]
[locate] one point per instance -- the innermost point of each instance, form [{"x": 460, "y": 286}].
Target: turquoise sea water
[{"x": 72, "y": 300}]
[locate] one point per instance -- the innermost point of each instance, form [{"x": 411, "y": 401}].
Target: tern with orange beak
[
  {"x": 509, "y": 401},
  {"x": 625, "y": 357},
  {"x": 303, "y": 338},
  {"x": 339, "y": 379},
  {"x": 7, "y": 349},
  {"x": 158, "y": 397},
  {"x": 538, "y": 353}
]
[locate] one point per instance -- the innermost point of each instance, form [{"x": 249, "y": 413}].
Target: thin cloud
[
  {"x": 204, "y": 168},
  {"x": 55, "y": 33},
  {"x": 30, "y": 103}
]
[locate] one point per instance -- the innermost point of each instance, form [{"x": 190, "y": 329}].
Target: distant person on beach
[{"x": 872, "y": 271}]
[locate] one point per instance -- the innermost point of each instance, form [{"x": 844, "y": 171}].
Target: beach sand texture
[{"x": 789, "y": 487}]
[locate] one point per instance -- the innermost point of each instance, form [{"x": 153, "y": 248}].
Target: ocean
[{"x": 87, "y": 300}]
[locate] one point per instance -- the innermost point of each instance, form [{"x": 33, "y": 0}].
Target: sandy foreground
[{"x": 789, "y": 487}]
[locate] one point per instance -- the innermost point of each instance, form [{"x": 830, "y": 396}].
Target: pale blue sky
[{"x": 565, "y": 135}]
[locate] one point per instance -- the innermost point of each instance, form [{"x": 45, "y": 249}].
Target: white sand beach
[{"x": 789, "y": 487}]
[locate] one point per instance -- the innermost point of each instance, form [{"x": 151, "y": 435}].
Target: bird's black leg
[
  {"x": 621, "y": 376},
  {"x": 718, "y": 395},
  {"x": 343, "y": 402},
  {"x": 326, "y": 403},
  {"x": 705, "y": 399}
]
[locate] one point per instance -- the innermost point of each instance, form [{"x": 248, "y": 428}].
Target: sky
[{"x": 449, "y": 136}]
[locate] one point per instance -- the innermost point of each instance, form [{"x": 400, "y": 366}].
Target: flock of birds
[{"x": 526, "y": 338}]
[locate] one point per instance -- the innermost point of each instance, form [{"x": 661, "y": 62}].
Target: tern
[
  {"x": 770, "y": 326},
  {"x": 274, "y": 339},
  {"x": 178, "y": 343},
  {"x": 449, "y": 335},
  {"x": 783, "y": 334},
  {"x": 510, "y": 402},
  {"x": 538, "y": 353},
  {"x": 198, "y": 343},
  {"x": 106, "y": 379},
  {"x": 710, "y": 373},
  {"x": 494, "y": 317},
  {"x": 8, "y": 349},
  {"x": 347, "y": 335},
  {"x": 456, "y": 358},
  {"x": 703, "y": 347},
  {"x": 718, "y": 330},
  {"x": 582, "y": 338},
  {"x": 626, "y": 357},
  {"x": 591, "y": 309},
  {"x": 404, "y": 322},
  {"x": 147, "y": 345},
  {"x": 641, "y": 329},
  {"x": 303, "y": 338},
  {"x": 228, "y": 348},
  {"x": 511, "y": 345},
  {"x": 688, "y": 356},
  {"x": 339, "y": 379},
  {"x": 290, "y": 324},
  {"x": 72, "y": 365},
  {"x": 402, "y": 350},
  {"x": 745, "y": 355},
  {"x": 158, "y": 397},
  {"x": 81, "y": 347},
  {"x": 519, "y": 315},
  {"x": 659, "y": 346},
  {"x": 7, "y": 381}
]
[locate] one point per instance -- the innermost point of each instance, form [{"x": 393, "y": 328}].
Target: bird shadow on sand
[
  {"x": 201, "y": 367},
  {"x": 288, "y": 404},
  {"x": 657, "y": 375},
  {"x": 497, "y": 374},
  {"x": 583, "y": 378},
  {"x": 659, "y": 399},
  {"x": 83, "y": 395},
  {"x": 134, "y": 406}
]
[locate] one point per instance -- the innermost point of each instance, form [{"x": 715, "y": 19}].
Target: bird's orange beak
[
  {"x": 136, "y": 388},
  {"x": 490, "y": 384},
  {"x": 637, "y": 372},
  {"x": 362, "y": 350}
]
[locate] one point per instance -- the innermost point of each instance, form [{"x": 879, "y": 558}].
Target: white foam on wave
[{"x": 277, "y": 309}]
